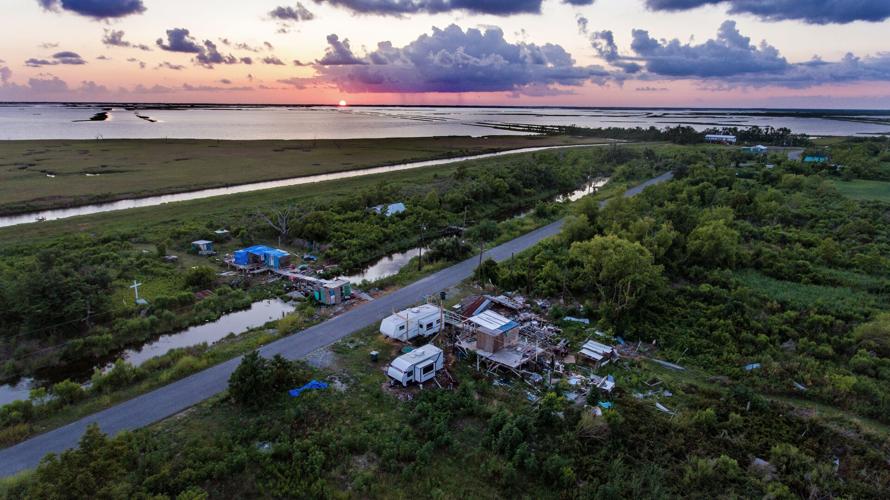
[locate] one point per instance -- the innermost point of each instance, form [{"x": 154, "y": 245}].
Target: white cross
[{"x": 135, "y": 286}]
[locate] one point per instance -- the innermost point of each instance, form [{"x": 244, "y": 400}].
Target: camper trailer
[
  {"x": 418, "y": 366},
  {"x": 418, "y": 321}
]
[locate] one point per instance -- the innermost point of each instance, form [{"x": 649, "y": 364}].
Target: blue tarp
[
  {"x": 315, "y": 384},
  {"x": 605, "y": 404},
  {"x": 752, "y": 366}
]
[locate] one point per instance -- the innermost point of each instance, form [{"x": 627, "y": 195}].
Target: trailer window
[
  {"x": 429, "y": 326},
  {"x": 401, "y": 327},
  {"x": 428, "y": 368}
]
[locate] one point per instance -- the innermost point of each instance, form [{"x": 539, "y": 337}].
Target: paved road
[{"x": 176, "y": 397}]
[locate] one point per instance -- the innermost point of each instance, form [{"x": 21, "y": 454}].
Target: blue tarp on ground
[
  {"x": 605, "y": 404},
  {"x": 315, "y": 384}
]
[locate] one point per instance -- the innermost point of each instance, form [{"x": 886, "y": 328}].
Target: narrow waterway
[
  {"x": 64, "y": 213},
  {"x": 236, "y": 322}
]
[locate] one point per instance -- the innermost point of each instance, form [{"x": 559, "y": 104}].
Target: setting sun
[{"x": 342, "y": 103}]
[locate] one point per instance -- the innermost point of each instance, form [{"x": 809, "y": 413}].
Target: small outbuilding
[
  {"x": 203, "y": 247},
  {"x": 417, "y": 366},
  {"x": 332, "y": 292},
  {"x": 599, "y": 353},
  {"x": 421, "y": 321}
]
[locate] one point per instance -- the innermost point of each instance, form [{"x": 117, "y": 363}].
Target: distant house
[
  {"x": 720, "y": 139},
  {"x": 390, "y": 210},
  {"x": 203, "y": 247},
  {"x": 816, "y": 158}
]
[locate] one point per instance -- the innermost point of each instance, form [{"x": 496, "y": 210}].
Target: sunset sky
[{"x": 732, "y": 53}]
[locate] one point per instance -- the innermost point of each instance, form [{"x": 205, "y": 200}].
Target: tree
[
  {"x": 249, "y": 383},
  {"x": 577, "y": 228},
  {"x": 482, "y": 233},
  {"x": 621, "y": 272},
  {"x": 200, "y": 277},
  {"x": 278, "y": 219},
  {"x": 714, "y": 243},
  {"x": 488, "y": 272}
]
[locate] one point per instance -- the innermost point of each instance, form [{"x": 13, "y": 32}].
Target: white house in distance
[
  {"x": 720, "y": 139},
  {"x": 417, "y": 366},
  {"x": 420, "y": 321}
]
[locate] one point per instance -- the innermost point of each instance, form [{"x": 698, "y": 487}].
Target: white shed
[
  {"x": 418, "y": 366},
  {"x": 422, "y": 321}
]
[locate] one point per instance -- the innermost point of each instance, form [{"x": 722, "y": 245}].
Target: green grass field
[
  {"x": 46, "y": 174},
  {"x": 804, "y": 296},
  {"x": 864, "y": 190}
]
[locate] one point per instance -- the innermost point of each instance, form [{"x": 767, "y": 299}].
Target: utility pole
[{"x": 422, "y": 233}]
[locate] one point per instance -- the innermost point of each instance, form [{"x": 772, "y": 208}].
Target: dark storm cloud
[
  {"x": 338, "y": 53},
  {"x": 808, "y": 11},
  {"x": 64, "y": 57},
  {"x": 273, "y": 61},
  {"x": 179, "y": 40},
  {"x": 604, "y": 44},
  {"x": 729, "y": 54},
  {"x": 452, "y": 60},
  {"x": 207, "y": 54},
  {"x": 115, "y": 38},
  {"x": 291, "y": 14},
  {"x": 731, "y": 60},
  {"x": 402, "y": 7},
  {"x": 97, "y": 9}
]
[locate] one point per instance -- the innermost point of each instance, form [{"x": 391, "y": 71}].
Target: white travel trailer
[
  {"x": 421, "y": 321},
  {"x": 418, "y": 366}
]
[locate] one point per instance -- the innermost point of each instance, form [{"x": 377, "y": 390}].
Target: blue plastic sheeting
[
  {"x": 315, "y": 384},
  {"x": 509, "y": 326},
  {"x": 605, "y": 404},
  {"x": 752, "y": 366}
]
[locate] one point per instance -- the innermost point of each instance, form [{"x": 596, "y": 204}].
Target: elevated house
[{"x": 262, "y": 256}]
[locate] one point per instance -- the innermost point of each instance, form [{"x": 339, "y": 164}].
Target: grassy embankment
[
  {"x": 864, "y": 190},
  {"x": 140, "y": 168}
]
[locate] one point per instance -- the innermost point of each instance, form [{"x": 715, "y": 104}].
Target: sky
[{"x": 675, "y": 53}]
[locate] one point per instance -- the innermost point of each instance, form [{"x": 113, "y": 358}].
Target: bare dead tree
[{"x": 278, "y": 219}]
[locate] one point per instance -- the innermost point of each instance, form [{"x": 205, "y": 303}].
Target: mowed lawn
[
  {"x": 48, "y": 174},
  {"x": 864, "y": 190}
]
